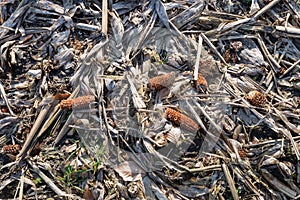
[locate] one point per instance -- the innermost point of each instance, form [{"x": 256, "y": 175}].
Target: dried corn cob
[
  {"x": 77, "y": 103},
  {"x": 12, "y": 148},
  {"x": 162, "y": 81},
  {"x": 181, "y": 120},
  {"x": 256, "y": 98},
  {"x": 61, "y": 96},
  {"x": 201, "y": 82}
]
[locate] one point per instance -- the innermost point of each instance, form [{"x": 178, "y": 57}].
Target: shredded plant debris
[{"x": 150, "y": 99}]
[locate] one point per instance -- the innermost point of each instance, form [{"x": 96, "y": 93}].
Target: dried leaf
[
  {"x": 88, "y": 195},
  {"x": 162, "y": 14},
  {"x": 13, "y": 20},
  {"x": 130, "y": 171},
  {"x": 117, "y": 27},
  {"x": 189, "y": 15},
  {"x": 48, "y": 5}
]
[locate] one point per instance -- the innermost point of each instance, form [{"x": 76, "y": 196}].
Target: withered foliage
[{"x": 150, "y": 99}]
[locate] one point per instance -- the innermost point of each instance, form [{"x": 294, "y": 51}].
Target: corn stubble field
[{"x": 149, "y": 99}]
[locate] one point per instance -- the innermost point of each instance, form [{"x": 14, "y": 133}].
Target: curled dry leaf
[
  {"x": 228, "y": 123},
  {"x": 161, "y": 139},
  {"x": 130, "y": 171},
  {"x": 251, "y": 54},
  {"x": 256, "y": 98},
  {"x": 77, "y": 103},
  {"x": 174, "y": 135},
  {"x": 181, "y": 120},
  {"x": 236, "y": 45}
]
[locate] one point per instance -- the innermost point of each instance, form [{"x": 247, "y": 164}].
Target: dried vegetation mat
[{"x": 150, "y": 99}]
